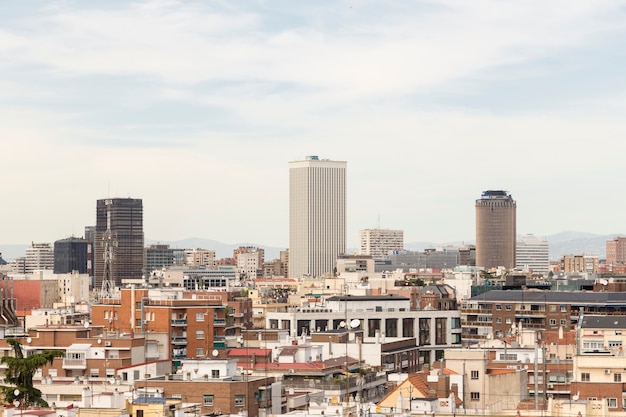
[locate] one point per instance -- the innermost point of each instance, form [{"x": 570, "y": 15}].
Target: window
[
  {"x": 110, "y": 372},
  {"x": 617, "y": 377},
  {"x": 507, "y": 307},
  {"x": 563, "y": 322},
  {"x": 508, "y": 357},
  {"x": 135, "y": 375},
  {"x": 498, "y": 306},
  {"x": 474, "y": 396},
  {"x": 208, "y": 400},
  {"x": 138, "y": 305},
  {"x": 240, "y": 400},
  {"x": 498, "y": 319},
  {"x": 552, "y": 322},
  {"x": 474, "y": 374},
  {"x": 199, "y": 316},
  {"x": 611, "y": 402},
  {"x": 584, "y": 377},
  {"x": 199, "y": 334},
  {"x": 593, "y": 345},
  {"x": 508, "y": 320},
  {"x": 563, "y": 308},
  {"x": 552, "y": 308},
  {"x": 199, "y": 352},
  {"x": 215, "y": 373},
  {"x": 94, "y": 372},
  {"x": 623, "y": 402}
]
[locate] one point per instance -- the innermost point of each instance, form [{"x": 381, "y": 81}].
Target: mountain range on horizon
[{"x": 563, "y": 243}]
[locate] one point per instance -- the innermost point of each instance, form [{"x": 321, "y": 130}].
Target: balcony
[
  {"x": 219, "y": 322},
  {"x": 179, "y": 340},
  {"x": 80, "y": 363},
  {"x": 179, "y": 322}
]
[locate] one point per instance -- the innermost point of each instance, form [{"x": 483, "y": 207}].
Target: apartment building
[
  {"x": 580, "y": 264},
  {"x": 196, "y": 322},
  {"x": 599, "y": 363},
  {"x": 616, "y": 250},
  {"x": 219, "y": 388},
  {"x": 499, "y": 313},
  {"x": 91, "y": 353},
  {"x": 377, "y": 243}
]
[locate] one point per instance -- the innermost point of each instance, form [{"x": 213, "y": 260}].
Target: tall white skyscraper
[{"x": 317, "y": 215}]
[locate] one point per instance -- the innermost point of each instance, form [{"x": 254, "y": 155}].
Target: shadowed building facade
[
  {"x": 118, "y": 242},
  {"x": 495, "y": 230}
]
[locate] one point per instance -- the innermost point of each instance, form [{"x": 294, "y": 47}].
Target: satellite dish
[
  {"x": 29, "y": 340},
  {"x": 342, "y": 324},
  {"x": 86, "y": 325},
  {"x": 99, "y": 341},
  {"x": 215, "y": 352},
  {"x": 354, "y": 323}
]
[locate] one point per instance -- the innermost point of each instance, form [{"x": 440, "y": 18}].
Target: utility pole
[{"x": 536, "y": 373}]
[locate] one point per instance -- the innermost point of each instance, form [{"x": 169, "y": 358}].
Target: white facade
[
  {"x": 532, "y": 253},
  {"x": 39, "y": 256},
  {"x": 378, "y": 242},
  {"x": 317, "y": 215},
  {"x": 248, "y": 264}
]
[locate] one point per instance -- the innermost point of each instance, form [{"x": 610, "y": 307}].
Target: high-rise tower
[
  {"x": 317, "y": 215},
  {"x": 70, "y": 255},
  {"x": 118, "y": 241},
  {"x": 495, "y": 230}
]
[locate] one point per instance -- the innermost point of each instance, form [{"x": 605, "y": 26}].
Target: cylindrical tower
[{"x": 495, "y": 230}]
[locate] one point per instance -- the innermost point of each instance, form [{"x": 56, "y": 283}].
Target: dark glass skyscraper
[
  {"x": 70, "y": 255},
  {"x": 118, "y": 241}
]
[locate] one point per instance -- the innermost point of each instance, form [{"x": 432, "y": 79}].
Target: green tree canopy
[{"x": 20, "y": 372}]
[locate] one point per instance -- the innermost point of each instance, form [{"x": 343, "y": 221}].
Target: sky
[{"x": 197, "y": 107}]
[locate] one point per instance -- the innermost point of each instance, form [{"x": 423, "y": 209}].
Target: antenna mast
[{"x": 107, "y": 280}]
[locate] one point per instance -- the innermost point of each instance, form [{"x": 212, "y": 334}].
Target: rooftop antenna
[{"x": 107, "y": 280}]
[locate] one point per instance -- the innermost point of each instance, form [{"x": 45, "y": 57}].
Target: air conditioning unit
[
  {"x": 107, "y": 343},
  {"x": 607, "y": 371},
  {"x": 550, "y": 386}
]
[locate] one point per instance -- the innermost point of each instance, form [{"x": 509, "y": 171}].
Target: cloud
[{"x": 392, "y": 52}]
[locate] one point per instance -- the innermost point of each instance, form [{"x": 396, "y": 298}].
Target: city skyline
[{"x": 197, "y": 108}]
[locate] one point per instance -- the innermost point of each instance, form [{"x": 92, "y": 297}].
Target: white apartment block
[
  {"x": 532, "y": 253},
  {"x": 317, "y": 215},
  {"x": 249, "y": 264},
  {"x": 38, "y": 257},
  {"x": 378, "y": 242}
]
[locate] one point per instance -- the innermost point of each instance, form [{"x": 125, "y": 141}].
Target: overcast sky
[{"x": 197, "y": 108}]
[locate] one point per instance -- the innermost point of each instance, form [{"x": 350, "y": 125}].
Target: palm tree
[{"x": 20, "y": 372}]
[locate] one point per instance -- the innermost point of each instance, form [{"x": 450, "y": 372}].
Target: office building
[
  {"x": 70, "y": 255},
  {"x": 118, "y": 241},
  {"x": 317, "y": 215},
  {"x": 379, "y": 242},
  {"x": 39, "y": 256},
  {"x": 157, "y": 257},
  {"x": 495, "y": 230},
  {"x": 532, "y": 253}
]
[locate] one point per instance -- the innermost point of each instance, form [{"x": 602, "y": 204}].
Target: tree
[{"x": 20, "y": 372}]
